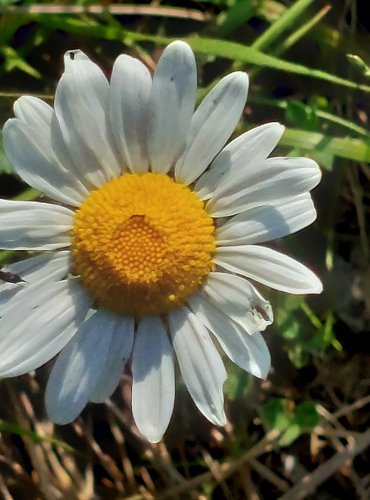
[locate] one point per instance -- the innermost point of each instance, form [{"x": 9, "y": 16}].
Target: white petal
[
  {"x": 119, "y": 351},
  {"x": 172, "y": 105},
  {"x": 239, "y": 300},
  {"x": 269, "y": 267},
  {"x": 211, "y": 126},
  {"x": 263, "y": 183},
  {"x": 78, "y": 368},
  {"x": 29, "y": 148},
  {"x": 81, "y": 106},
  {"x": 32, "y": 110},
  {"x": 200, "y": 364},
  {"x": 268, "y": 222},
  {"x": 247, "y": 351},
  {"x": 249, "y": 148},
  {"x": 37, "y": 327},
  {"x": 39, "y": 123},
  {"x": 35, "y": 272},
  {"x": 130, "y": 88},
  {"x": 28, "y": 225},
  {"x": 153, "y": 387}
]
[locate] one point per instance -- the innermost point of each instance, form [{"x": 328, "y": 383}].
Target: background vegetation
[{"x": 305, "y": 431}]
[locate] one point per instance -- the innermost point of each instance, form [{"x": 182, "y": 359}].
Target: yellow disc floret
[{"x": 142, "y": 244}]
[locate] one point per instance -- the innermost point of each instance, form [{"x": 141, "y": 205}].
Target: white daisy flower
[{"x": 155, "y": 230}]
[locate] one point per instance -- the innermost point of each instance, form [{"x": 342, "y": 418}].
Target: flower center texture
[{"x": 142, "y": 243}]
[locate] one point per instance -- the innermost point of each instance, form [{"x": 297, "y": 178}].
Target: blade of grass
[
  {"x": 283, "y": 23},
  {"x": 127, "y": 10},
  {"x": 351, "y": 149},
  {"x": 219, "y": 48},
  {"x": 16, "y": 429},
  {"x": 302, "y": 31}
]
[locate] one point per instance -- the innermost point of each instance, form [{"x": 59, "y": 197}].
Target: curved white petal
[
  {"x": 41, "y": 126},
  {"x": 212, "y": 124},
  {"x": 119, "y": 352},
  {"x": 249, "y": 148},
  {"x": 263, "y": 183},
  {"x": 34, "y": 111},
  {"x": 81, "y": 107},
  {"x": 34, "y": 272},
  {"x": 239, "y": 300},
  {"x": 269, "y": 267},
  {"x": 130, "y": 88},
  {"x": 268, "y": 222},
  {"x": 78, "y": 368},
  {"x": 247, "y": 351},
  {"x": 171, "y": 105},
  {"x": 37, "y": 327},
  {"x": 29, "y": 148},
  {"x": 201, "y": 366},
  {"x": 153, "y": 386},
  {"x": 28, "y": 225}
]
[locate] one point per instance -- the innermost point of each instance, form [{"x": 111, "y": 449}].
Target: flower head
[{"x": 155, "y": 230}]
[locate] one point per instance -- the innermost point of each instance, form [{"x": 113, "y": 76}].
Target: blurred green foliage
[{"x": 277, "y": 413}]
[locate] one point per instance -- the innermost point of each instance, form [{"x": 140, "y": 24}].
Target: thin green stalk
[
  {"x": 283, "y": 23},
  {"x": 301, "y": 32}
]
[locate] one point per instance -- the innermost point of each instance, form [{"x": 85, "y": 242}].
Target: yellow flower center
[{"x": 142, "y": 244}]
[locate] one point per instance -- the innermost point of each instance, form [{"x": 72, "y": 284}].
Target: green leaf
[
  {"x": 307, "y": 416},
  {"x": 290, "y": 435},
  {"x": 276, "y": 415},
  {"x": 342, "y": 147},
  {"x": 298, "y": 114}
]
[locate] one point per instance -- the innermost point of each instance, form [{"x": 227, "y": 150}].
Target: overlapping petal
[
  {"x": 269, "y": 267},
  {"x": 171, "y": 105},
  {"x": 267, "y": 222},
  {"x": 78, "y": 368},
  {"x": 250, "y": 352},
  {"x": 211, "y": 126},
  {"x": 252, "y": 147},
  {"x": 37, "y": 153},
  {"x": 39, "y": 325},
  {"x": 29, "y": 225},
  {"x": 200, "y": 364},
  {"x": 33, "y": 273},
  {"x": 120, "y": 350},
  {"x": 153, "y": 386},
  {"x": 81, "y": 107},
  {"x": 263, "y": 183},
  {"x": 239, "y": 300},
  {"x": 130, "y": 89}
]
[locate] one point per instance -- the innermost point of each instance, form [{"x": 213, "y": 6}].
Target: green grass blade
[
  {"x": 342, "y": 147},
  {"x": 20, "y": 431},
  {"x": 219, "y": 48},
  {"x": 283, "y": 23}
]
